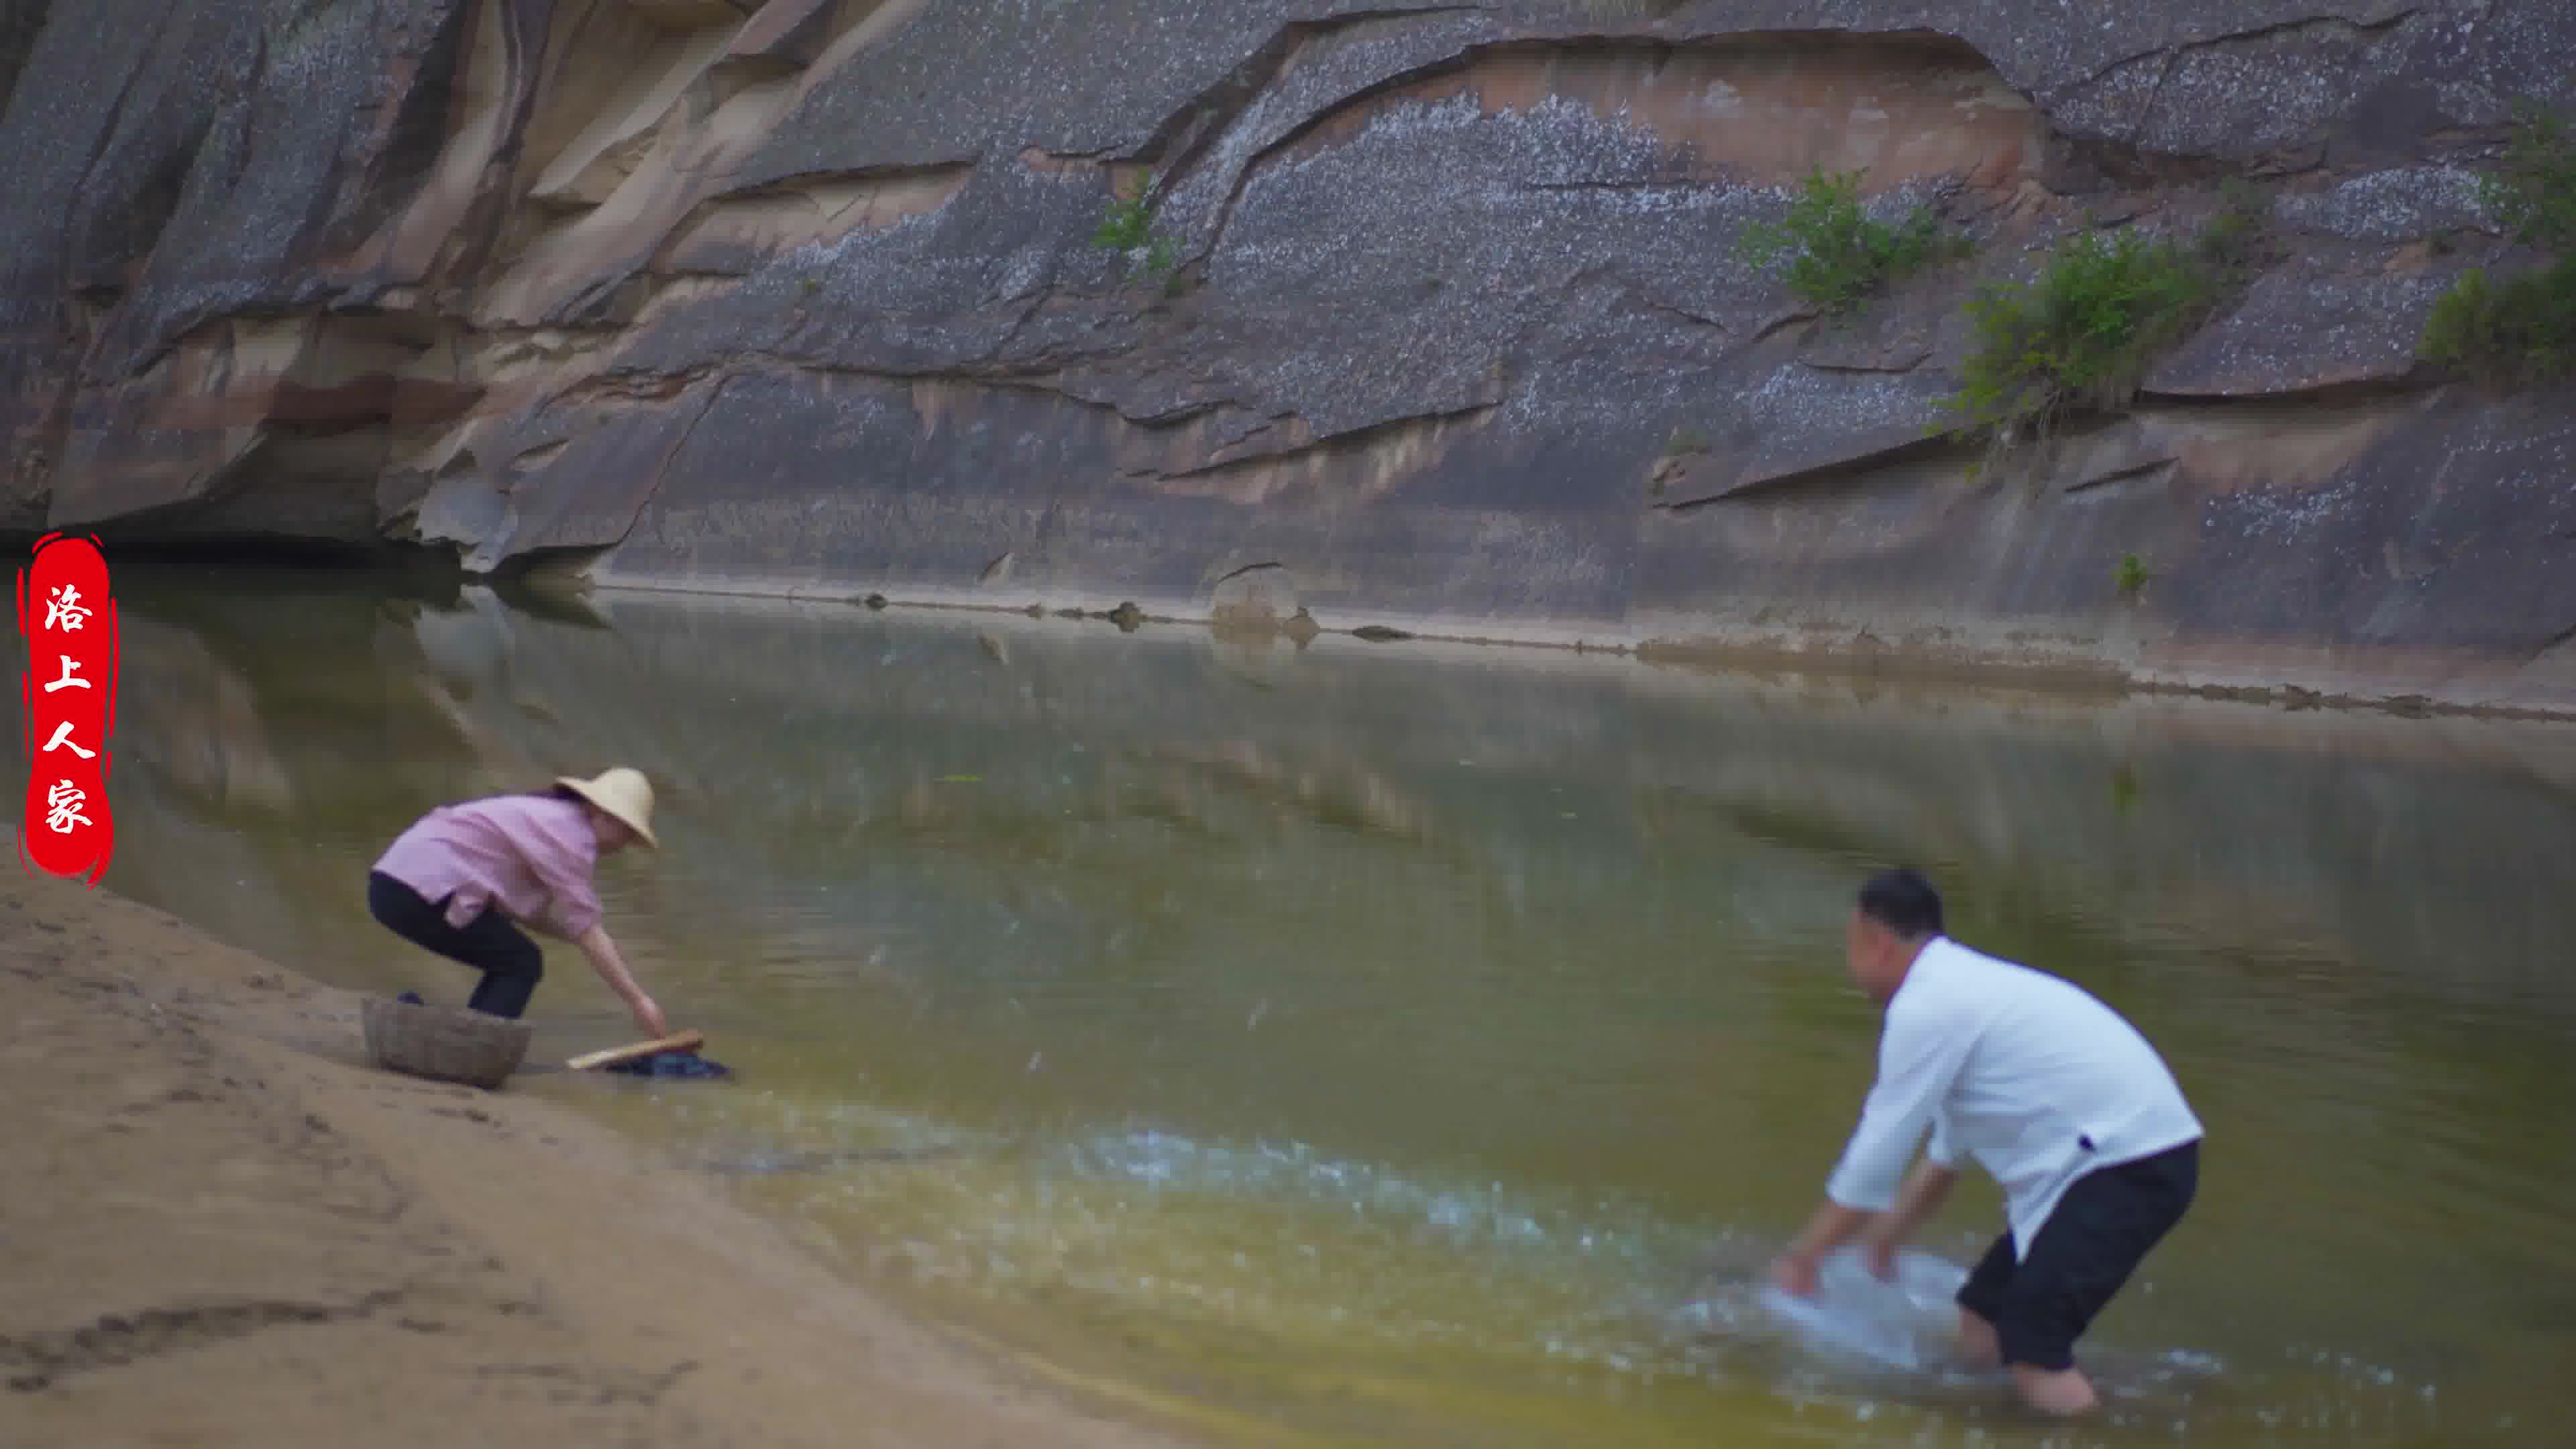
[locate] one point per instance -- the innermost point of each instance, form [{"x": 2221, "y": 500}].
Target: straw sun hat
[{"x": 623, "y": 793}]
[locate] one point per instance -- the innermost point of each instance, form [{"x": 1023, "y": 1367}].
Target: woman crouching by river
[{"x": 464, "y": 878}]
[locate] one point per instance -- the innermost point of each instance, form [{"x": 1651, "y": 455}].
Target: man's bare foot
[{"x": 2065, "y": 1391}]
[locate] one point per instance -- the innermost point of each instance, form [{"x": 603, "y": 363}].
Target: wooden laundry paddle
[{"x": 687, "y": 1041}]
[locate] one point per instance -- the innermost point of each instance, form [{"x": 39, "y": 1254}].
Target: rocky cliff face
[{"x": 801, "y": 295}]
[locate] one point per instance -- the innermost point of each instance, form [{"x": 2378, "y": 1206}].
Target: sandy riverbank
[{"x": 220, "y": 1226}]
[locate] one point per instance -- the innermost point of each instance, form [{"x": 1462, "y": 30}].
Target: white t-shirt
[{"x": 2025, "y": 1072}]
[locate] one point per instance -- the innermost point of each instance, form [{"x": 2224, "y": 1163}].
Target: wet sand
[{"x": 220, "y": 1226}]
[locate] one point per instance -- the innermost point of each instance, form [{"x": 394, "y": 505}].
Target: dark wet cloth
[{"x": 671, "y": 1064}]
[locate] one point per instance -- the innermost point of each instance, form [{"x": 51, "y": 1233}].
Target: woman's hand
[
  {"x": 648, "y": 1017},
  {"x": 612, "y": 969}
]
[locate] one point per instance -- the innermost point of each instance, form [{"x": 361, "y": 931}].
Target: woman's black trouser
[{"x": 509, "y": 961}]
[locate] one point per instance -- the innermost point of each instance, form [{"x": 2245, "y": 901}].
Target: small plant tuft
[
  {"x": 2131, "y": 575},
  {"x": 1684, "y": 442},
  {"x": 1127, "y": 227},
  {"x": 2238, "y": 242},
  {"x": 1838, "y": 253},
  {"x": 1128, "y": 222},
  {"x": 2521, "y": 330}
]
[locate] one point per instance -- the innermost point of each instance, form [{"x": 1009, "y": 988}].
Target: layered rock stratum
[{"x": 803, "y": 296}]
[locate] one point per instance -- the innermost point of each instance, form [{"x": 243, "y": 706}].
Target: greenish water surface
[{"x": 1385, "y": 1045}]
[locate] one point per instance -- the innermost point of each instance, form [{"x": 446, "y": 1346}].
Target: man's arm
[
  {"x": 1923, "y": 1194},
  {"x": 1919, "y": 1056},
  {"x": 611, "y": 966},
  {"x": 1831, "y": 1227},
  {"x": 1920, "y": 1198},
  {"x": 1834, "y": 1225}
]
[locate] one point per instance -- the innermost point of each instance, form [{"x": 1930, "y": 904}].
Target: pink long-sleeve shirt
[{"x": 531, "y": 855}]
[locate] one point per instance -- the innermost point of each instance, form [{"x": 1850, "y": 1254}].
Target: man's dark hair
[{"x": 1902, "y": 901}]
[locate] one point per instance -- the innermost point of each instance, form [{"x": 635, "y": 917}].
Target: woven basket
[{"x": 446, "y": 1044}]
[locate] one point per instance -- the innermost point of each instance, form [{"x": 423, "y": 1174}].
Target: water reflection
[{"x": 1401, "y": 1046}]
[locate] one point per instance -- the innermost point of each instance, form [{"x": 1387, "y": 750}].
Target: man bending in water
[{"x": 2050, "y": 1091}]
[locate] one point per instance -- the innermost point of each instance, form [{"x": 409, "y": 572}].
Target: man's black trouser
[
  {"x": 2095, "y": 1238},
  {"x": 509, "y": 961}
]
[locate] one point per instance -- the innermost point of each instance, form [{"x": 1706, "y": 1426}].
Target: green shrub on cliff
[
  {"x": 2517, "y": 331},
  {"x": 2083, "y": 334},
  {"x": 2080, "y": 336},
  {"x": 2522, "y": 329},
  {"x": 1839, "y": 253},
  {"x": 2533, "y": 189}
]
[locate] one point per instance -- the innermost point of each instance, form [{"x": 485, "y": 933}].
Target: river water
[{"x": 1393, "y": 1045}]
